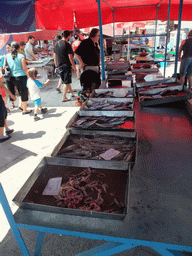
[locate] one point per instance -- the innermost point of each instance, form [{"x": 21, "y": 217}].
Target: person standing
[
  {"x": 3, "y": 114},
  {"x": 88, "y": 52},
  {"x": 186, "y": 60},
  {"x": 64, "y": 62},
  {"x": 33, "y": 85},
  {"x": 75, "y": 45},
  {"x": 18, "y": 67},
  {"x": 29, "y": 48}
]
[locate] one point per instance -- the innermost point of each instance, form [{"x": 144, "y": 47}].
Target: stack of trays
[
  {"x": 118, "y": 70},
  {"x": 79, "y": 187},
  {"x": 162, "y": 92}
]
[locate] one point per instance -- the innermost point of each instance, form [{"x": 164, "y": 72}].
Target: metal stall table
[
  {"x": 40, "y": 65},
  {"x": 158, "y": 216}
]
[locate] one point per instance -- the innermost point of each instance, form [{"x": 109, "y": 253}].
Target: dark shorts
[
  {"x": 21, "y": 84},
  {"x": 3, "y": 112},
  {"x": 65, "y": 74},
  {"x": 186, "y": 66}
]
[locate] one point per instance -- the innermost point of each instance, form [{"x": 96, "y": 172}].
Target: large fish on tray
[
  {"x": 110, "y": 94},
  {"x": 161, "y": 95},
  {"x": 101, "y": 121},
  {"x": 107, "y": 105},
  {"x": 94, "y": 147}
]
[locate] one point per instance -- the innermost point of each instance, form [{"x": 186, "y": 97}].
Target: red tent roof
[{"x": 60, "y": 13}]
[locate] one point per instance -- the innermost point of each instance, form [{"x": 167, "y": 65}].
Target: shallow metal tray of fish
[
  {"x": 72, "y": 137},
  {"x": 117, "y": 72},
  {"x": 117, "y": 65},
  {"x": 114, "y": 196},
  {"x": 130, "y": 92},
  {"x": 156, "y": 82},
  {"x": 129, "y": 121},
  {"x": 185, "y": 94},
  {"x": 108, "y": 100},
  {"x": 155, "y": 87},
  {"x": 122, "y": 77},
  {"x": 143, "y": 70}
]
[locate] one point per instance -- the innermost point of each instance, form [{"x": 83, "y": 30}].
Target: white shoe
[{"x": 66, "y": 99}]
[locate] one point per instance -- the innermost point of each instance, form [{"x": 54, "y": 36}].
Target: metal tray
[
  {"x": 143, "y": 70},
  {"x": 129, "y": 114},
  {"x": 120, "y": 165},
  {"x": 117, "y": 71},
  {"x": 117, "y": 65},
  {"x": 172, "y": 85},
  {"x": 170, "y": 99},
  {"x": 130, "y": 91},
  {"x": 163, "y": 80},
  {"x": 122, "y": 77},
  {"x": 30, "y": 195},
  {"x": 118, "y": 100},
  {"x": 188, "y": 105}
]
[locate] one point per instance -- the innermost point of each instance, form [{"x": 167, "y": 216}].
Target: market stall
[{"x": 157, "y": 158}]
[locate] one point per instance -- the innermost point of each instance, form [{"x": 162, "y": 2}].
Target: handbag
[{"x": 7, "y": 71}]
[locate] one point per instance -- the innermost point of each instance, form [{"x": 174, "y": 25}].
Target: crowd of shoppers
[{"x": 68, "y": 53}]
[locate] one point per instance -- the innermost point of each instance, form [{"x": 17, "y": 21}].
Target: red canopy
[
  {"x": 39, "y": 35},
  {"x": 60, "y": 14}
]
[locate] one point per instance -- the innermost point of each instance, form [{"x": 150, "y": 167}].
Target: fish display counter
[
  {"x": 77, "y": 188},
  {"x": 119, "y": 148},
  {"x": 103, "y": 120}
]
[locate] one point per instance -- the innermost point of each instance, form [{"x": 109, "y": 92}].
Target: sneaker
[
  {"x": 57, "y": 89},
  {"x": 36, "y": 118},
  {"x": 9, "y": 131},
  {"x": 28, "y": 112},
  {"x": 43, "y": 110},
  {"x": 66, "y": 99},
  {"x": 6, "y": 137}
]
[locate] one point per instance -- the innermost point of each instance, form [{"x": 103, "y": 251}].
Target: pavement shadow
[
  {"x": 49, "y": 114},
  {"x": 18, "y": 135},
  {"x": 10, "y": 122}
]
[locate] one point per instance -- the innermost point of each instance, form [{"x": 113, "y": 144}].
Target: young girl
[{"x": 33, "y": 85}]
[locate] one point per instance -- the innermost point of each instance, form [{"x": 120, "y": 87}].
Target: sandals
[
  {"x": 57, "y": 89},
  {"x": 66, "y": 99}
]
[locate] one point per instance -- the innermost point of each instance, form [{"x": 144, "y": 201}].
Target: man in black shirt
[
  {"x": 63, "y": 59},
  {"x": 88, "y": 52}
]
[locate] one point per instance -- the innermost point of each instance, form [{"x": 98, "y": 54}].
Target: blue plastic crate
[{"x": 162, "y": 64}]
